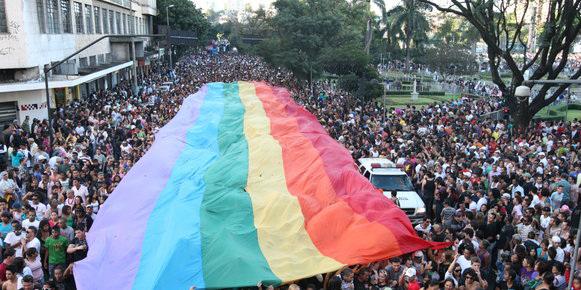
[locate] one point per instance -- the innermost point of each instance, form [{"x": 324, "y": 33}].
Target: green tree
[
  {"x": 184, "y": 15},
  {"x": 309, "y": 37},
  {"x": 456, "y": 32},
  {"x": 409, "y": 24},
  {"x": 449, "y": 59}
]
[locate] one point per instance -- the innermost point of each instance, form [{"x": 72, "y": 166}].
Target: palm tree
[
  {"x": 368, "y": 29},
  {"x": 383, "y": 27},
  {"x": 408, "y": 22}
]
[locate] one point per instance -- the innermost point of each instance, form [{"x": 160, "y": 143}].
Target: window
[
  {"x": 392, "y": 182},
  {"x": 3, "y": 23},
  {"x": 66, "y": 16},
  {"x": 97, "y": 15},
  {"x": 112, "y": 21},
  {"x": 52, "y": 13},
  {"x": 131, "y": 24},
  {"x": 83, "y": 62},
  {"x": 40, "y": 14},
  {"x": 88, "y": 19},
  {"x": 79, "y": 17},
  {"x": 118, "y": 20},
  {"x": 105, "y": 22},
  {"x": 124, "y": 19}
]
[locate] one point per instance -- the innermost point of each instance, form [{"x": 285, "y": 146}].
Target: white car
[{"x": 384, "y": 174}]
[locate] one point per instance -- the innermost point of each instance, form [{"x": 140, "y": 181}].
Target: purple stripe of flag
[{"x": 116, "y": 237}]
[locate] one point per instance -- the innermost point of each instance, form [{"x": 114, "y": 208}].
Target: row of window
[
  {"x": 3, "y": 22},
  {"x": 94, "y": 60},
  {"x": 57, "y": 16}
]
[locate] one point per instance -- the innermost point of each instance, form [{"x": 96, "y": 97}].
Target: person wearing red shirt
[
  {"x": 8, "y": 259},
  {"x": 576, "y": 283},
  {"x": 409, "y": 280}
]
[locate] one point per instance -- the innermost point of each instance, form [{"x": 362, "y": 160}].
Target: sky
[{"x": 221, "y": 5}]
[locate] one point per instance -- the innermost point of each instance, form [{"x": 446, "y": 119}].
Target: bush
[
  {"x": 349, "y": 82},
  {"x": 403, "y": 93},
  {"x": 369, "y": 89}
]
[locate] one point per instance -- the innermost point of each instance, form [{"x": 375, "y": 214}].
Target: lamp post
[
  {"x": 48, "y": 68},
  {"x": 168, "y": 41},
  {"x": 522, "y": 94}
]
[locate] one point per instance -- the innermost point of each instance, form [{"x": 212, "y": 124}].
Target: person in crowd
[
  {"x": 15, "y": 238},
  {"x": 56, "y": 251},
  {"x": 78, "y": 247},
  {"x": 11, "y": 282},
  {"x": 33, "y": 262},
  {"x": 9, "y": 255},
  {"x": 505, "y": 198}
]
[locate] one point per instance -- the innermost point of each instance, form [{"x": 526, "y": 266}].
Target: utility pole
[
  {"x": 134, "y": 67},
  {"x": 168, "y": 39}
]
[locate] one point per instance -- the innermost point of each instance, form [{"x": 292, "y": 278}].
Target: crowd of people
[{"x": 507, "y": 202}]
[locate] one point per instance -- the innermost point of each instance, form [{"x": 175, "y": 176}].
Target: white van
[{"x": 383, "y": 174}]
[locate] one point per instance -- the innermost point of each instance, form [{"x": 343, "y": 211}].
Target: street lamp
[
  {"x": 522, "y": 94},
  {"x": 168, "y": 40}
]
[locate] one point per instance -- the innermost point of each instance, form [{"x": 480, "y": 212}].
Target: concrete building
[{"x": 34, "y": 33}]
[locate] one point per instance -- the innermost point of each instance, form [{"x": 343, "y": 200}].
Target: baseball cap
[{"x": 410, "y": 272}]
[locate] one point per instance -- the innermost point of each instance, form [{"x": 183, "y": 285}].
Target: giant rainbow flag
[{"x": 242, "y": 186}]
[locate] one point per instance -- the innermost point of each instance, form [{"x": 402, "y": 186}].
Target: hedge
[{"x": 403, "y": 93}]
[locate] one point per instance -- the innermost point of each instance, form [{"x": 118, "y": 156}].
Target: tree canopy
[
  {"x": 183, "y": 16},
  {"x": 502, "y": 26},
  {"x": 315, "y": 36}
]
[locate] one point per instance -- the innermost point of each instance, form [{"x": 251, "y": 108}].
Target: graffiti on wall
[
  {"x": 12, "y": 35},
  {"x": 6, "y": 50},
  {"x": 32, "y": 107}
]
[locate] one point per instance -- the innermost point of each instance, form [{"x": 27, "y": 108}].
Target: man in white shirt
[
  {"x": 14, "y": 238},
  {"x": 424, "y": 227},
  {"x": 80, "y": 190},
  {"x": 35, "y": 203},
  {"x": 516, "y": 188},
  {"x": 481, "y": 200},
  {"x": 524, "y": 227},
  {"x": 464, "y": 260},
  {"x": 556, "y": 243},
  {"x": 31, "y": 241},
  {"x": 31, "y": 220},
  {"x": 80, "y": 130}
]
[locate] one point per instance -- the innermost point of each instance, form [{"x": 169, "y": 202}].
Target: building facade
[{"x": 36, "y": 33}]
